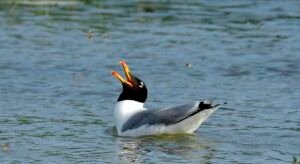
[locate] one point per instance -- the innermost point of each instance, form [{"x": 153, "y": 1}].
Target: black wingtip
[{"x": 207, "y": 104}]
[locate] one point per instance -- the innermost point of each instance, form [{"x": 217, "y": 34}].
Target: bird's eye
[{"x": 141, "y": 84}]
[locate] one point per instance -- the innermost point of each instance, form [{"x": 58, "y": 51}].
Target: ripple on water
[{"x": 56, "y": 90}]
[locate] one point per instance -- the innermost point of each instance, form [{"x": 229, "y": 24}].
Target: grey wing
[{"x": 165, "y": 116}]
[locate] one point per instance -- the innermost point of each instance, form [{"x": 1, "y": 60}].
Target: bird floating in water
[{"x": 133, "y": 119}]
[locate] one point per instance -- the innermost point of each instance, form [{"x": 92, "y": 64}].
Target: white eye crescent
[{"x": 141, "y": 84}]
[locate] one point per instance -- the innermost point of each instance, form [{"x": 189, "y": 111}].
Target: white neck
[{"x": 124, "y": 109}]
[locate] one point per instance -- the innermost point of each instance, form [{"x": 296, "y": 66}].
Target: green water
[{"x": 57, "y": 92}]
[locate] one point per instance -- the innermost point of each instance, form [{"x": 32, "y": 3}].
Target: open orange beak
[{"x": 127, "y": 72}]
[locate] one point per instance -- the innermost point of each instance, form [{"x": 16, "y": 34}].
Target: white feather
[
  {"x": 127, "y": 108},
  {"x": 124, "y": 110}
]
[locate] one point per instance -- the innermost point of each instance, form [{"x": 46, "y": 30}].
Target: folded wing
[{"x": 166, "y": 116}]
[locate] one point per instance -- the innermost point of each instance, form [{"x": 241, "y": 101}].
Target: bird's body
[{"x": 132, "y": 119}]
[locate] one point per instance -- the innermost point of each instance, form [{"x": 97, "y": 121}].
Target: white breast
[{"x": 124, "y": 110}]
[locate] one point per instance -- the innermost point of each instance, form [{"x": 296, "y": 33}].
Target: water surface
[{"x": 57, "y": 93}]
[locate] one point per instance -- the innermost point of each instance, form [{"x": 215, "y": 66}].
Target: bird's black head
[{"x": 133, "y": 88}]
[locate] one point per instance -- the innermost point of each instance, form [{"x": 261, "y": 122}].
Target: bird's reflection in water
[{"x": 182, "y": 147}]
